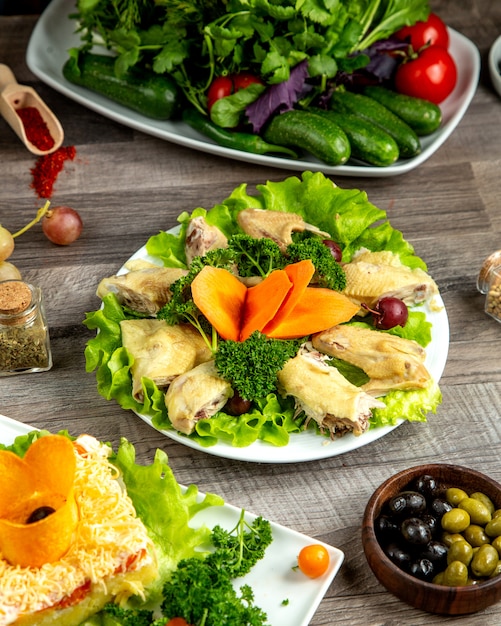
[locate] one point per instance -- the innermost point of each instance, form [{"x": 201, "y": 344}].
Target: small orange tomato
[
  {"x": 177, "y": 621},
  {"x": 313, "y": 560}
]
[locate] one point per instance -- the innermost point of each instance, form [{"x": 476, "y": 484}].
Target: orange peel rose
[{"x": 43, "y": 478}]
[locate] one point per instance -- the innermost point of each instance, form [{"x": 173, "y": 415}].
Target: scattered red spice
[
  {"x": 36, "y": 129},
  {"x": 47, "y": 169}
]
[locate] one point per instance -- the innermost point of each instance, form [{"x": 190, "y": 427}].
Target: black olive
[
  {"x": 415, "y": 531},
  {"x": 427, "y": 485},
  {"x": 432, "y": 522},
  {"x": 423, "y": 569},
  {"x": 386, "y": 527},
  {"x": 398, "y": 555},
  {"x": 436, "y": 552},
  {"x": 440, "y": 506},
  {"x": 41, "y": 513},
  {"x": 407, "y": 503}
]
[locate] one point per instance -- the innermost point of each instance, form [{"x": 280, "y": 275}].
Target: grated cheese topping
[{"x": 108, "y": 537}]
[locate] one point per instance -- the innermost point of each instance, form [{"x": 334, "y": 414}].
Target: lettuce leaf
[{"x": 350, "y": 219}]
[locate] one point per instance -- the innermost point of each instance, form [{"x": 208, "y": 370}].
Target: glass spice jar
[
  {"x": 24, "y": 336},
  {"x": 493, "y": 297}
]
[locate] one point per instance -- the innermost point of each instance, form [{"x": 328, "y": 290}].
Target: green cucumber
[
  {"x": 372, "y": 111},
  {"x": 153, "y": 95},
  {"x": 302, "y": 129},
  {"x": 369, "y": 143},
  {"x": 423, "y": 116}
]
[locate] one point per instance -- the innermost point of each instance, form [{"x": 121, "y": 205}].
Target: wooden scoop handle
[{"x": 6, "y": 77}]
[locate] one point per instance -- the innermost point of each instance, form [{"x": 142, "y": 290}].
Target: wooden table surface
[{"x": 128, "y": 185}]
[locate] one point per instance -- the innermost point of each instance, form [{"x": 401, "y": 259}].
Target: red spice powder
[
  {"x": 35, "y": 128},
  {"x": 47, "y": 169}
]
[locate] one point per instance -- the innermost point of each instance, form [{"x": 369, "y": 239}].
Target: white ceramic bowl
[{"x": 495, "y": 64}]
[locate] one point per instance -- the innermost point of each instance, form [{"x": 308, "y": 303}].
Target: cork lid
[
  {"x": 15, "y": 297},
  {"x": 492, "y": 261}
]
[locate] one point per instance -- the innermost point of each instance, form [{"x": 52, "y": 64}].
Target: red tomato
[
  {"x": 244, "y": 79},
  {"x": 431, "y": 75},
  {"x": 221, "y": 87},
  {"x": 433, "y": 32}
]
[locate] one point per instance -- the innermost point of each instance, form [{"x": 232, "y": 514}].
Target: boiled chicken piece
[
  {"x": 144, "y": 290},
  {"x": 325, "y": 395},
  {"x": 195, "y": 395},
  {"x": 202, "y": 237},
  {"x": 391, "y": 362},
  {"x": 275, "y": 225},
  {"x": 161, "y": 352},
  {"x": 373, "y": 275}
]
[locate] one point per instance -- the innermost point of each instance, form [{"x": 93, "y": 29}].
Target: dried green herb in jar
[{"x": 24, "y": 336}]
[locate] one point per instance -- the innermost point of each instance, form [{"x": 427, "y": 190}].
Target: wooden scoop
[{"x": 14, "y": 96}]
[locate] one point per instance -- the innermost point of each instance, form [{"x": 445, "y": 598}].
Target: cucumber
[
  {"x": 372, "y": 111},
  {"x": 369, "y": 143},
  {"x": 423, "y": 116},
  {"x": 302, "y": 129},
  {"x": 153, "y": 95}
]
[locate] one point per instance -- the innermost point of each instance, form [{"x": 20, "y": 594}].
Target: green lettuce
[{"x": 353, "y": 221}]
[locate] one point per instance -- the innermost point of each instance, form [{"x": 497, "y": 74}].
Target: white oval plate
[
  {"x": 495, "y": 64},
  {"x": 272, "y": 578},
  {"x": 307, "y": 445},
  {"x": 54, "y": 35}
]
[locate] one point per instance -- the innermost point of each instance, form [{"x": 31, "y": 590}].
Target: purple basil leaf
[{"x": 278, "y": 98}]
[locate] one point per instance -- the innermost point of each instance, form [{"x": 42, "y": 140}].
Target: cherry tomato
[
  {"x": 431, "y": 75},
  {"x": 177, "y": 621},
  {"x": 313, "y": 560},
  {"x": 433, "y": 32},
  {"x": 244, "y": 79},
  {"x": 221, "y": 87}
]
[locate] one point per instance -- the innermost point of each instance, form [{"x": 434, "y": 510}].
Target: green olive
[
  {"x": 497, "y": 513},
  {"x": 493, "y": 528},
  {"x": 460, "y": 551},
  {"x": 497, "y": 570},
  {"x": 438, "y": 579},
  {"x": 454, "y": 495},
  {"x": 478, "y": 511},
  {"x": 456, "y": 520},
  {"x": 475, "y": 535},
  {"x": 455, "y": 575},
  {"x": 497, "y": 544},
  {"x": 485, "y": 561},
  {"x": 482, "y": 497},
  {"x": 450, "y": 538}
]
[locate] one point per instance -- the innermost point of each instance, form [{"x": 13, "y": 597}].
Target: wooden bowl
[{"x": 423, "y": 595}]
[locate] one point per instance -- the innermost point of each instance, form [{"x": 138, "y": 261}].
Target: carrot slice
[
  {"x": 263, "y": 301},
  {"x": 300, "y": 275},
  {"x": 317, "y": 309},
  {"x": 220, "y": 296},
  {"x": 42, "y": 480}
]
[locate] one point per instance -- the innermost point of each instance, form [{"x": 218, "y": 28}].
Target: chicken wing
[
  {"x": 391, "y": 362},
  {"x": 195, "y": 395},
  {"x": 144, "y": 290},
  {"x": 161, "y": 352},
  {"x": 202, "y": 237},
  {"x": 325, "y": 395}
]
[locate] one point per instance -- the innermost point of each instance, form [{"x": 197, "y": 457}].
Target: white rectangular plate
[
  {"x": 54, "y": 34},
  {"x": 285, "y": 595}
]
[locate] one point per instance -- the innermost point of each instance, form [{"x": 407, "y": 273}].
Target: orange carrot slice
[
  {"x": 300, "y": 275},
  {"x": 317, "y": 309},
  {"x": 220, "y": 296},
  {"x": 43, "y": 478},
  {"x": 263, "y": 301}
]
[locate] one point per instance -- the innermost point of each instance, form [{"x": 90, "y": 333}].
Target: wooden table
[{"x": 127, "y": 186}]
